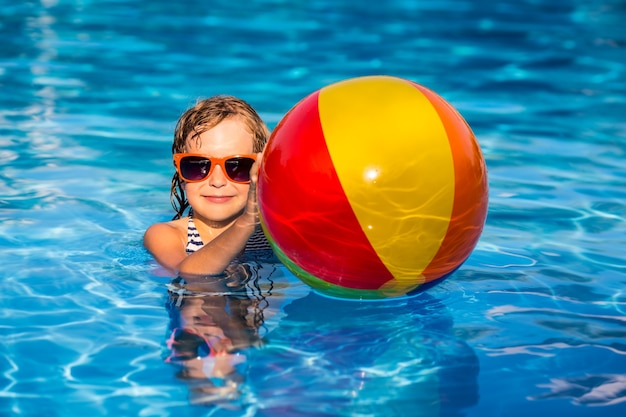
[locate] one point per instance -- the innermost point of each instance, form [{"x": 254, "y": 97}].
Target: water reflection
[
  {"x": 213, "y": 321},
  {"x": 239, "y": 345},
  {"x": 391, "y": 358}
]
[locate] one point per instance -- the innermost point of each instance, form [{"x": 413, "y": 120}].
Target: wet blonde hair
[{"x": 205, "y": 115}]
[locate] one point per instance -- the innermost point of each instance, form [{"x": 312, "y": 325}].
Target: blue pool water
[{"x": 534, "y": 323}]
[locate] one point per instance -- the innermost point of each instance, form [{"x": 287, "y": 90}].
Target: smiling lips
[{"x": 218, "y": 198}]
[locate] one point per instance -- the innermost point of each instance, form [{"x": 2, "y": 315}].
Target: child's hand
[
  {"x": 254, "y": 170},
  {"x": 252, "y": 210}
]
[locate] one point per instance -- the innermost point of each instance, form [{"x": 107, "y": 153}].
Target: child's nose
[{"x": 218, "y": 177}]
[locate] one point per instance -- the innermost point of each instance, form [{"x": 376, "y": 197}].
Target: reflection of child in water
[{"x": 213, "y": 321}]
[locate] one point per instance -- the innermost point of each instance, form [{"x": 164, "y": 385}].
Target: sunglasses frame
[{"x": 178, "y": 157}]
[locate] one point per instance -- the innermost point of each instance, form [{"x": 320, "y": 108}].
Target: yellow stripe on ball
[{"x": 403, "y": 194}]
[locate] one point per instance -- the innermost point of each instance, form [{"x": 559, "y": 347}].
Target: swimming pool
[{"x": 533, "y": 323}]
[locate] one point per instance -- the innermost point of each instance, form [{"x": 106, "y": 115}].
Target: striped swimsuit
[{"x": 257, "y": 241}]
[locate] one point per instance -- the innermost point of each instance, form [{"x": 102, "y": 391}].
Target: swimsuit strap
[
  {"x": 194, "y": 241},
  {"x": 257, "y": 241}
]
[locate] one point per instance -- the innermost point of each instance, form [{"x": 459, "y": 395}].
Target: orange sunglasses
[{"x": 194, "y": 167}]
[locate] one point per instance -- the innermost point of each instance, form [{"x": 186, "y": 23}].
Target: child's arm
[{"x": 216, "y": 255}]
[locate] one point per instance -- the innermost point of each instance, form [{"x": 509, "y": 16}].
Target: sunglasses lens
[
  {"x": 194, "y": 168},
  {"x": 238, "y": 169}
]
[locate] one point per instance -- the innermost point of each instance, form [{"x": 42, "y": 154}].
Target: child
[{"x": 217, "y": 146}]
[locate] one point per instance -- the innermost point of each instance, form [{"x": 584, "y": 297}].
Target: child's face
[{"x": 217, "y": 199}]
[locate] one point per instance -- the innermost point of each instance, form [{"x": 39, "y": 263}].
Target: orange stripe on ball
[{"x": 470, "y": 191}]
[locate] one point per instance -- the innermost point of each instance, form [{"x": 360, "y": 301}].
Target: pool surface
[{"x": 533, "y": 324}]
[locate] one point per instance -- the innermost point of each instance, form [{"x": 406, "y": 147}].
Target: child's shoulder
[
  {"x": 171, "y": 229},
  {"x": 166, "y": 241}
]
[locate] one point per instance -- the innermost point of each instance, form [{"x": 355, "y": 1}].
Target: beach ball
[{"x": 372, "y": 187}]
